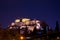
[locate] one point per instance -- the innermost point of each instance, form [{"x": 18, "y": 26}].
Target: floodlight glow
[
  {"x": 21, "y": 37},
  {"x": 17, "y": 20},
  {"x": 37, "y": 21},
  {"x": 38, "y": 26},
  {"x": 58, "y": 38},
  {"x": 10, "y": 28},
  {"x": 25, "y": 19},
  {"x": 12, "y": 24}
]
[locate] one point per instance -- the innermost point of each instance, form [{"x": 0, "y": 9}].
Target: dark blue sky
[{"x": 47, "y": 10}]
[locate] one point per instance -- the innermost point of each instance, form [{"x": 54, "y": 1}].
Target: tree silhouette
[
  {"x": 57, "y": 27},
  {"x": 44, "y": 25}
]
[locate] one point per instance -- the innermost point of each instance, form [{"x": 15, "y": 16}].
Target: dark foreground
[{"x": 14, "y": 35}]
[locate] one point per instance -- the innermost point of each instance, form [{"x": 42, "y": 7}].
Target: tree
[{"x": 57, "y": 27}]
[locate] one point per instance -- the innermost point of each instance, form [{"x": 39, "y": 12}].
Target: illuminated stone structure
[{"x": 24, "y": 23}]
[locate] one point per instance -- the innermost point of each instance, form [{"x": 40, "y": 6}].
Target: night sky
[{"x": 47, "y": 10}]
